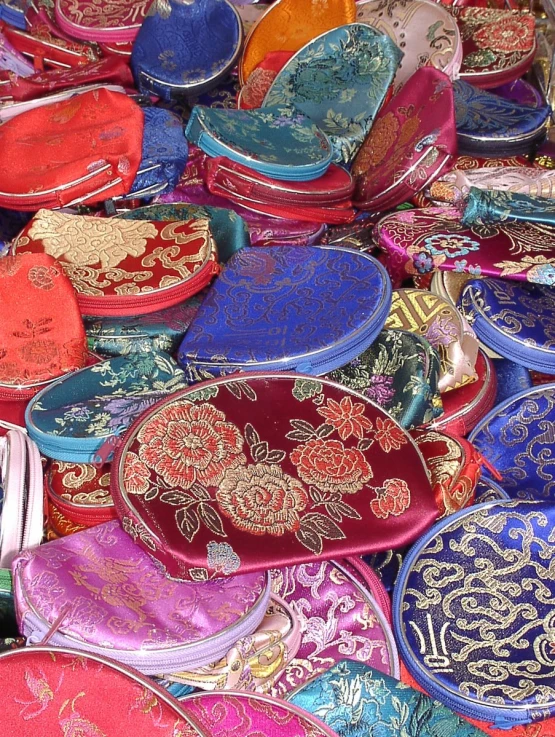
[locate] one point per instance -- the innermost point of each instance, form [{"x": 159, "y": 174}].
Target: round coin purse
[{"x": 473, "y": 612}]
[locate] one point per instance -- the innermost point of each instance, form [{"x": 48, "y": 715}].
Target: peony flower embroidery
[
  {"x": 221, "y": 558},
  {"x": 135, "y": 474},
  {"x": 262, "y": 500},
  {"x": 187, "y": 443},
  {"x": 328, "y": 465},
  {"x": 347, "y": 418},
  {"x": 389, "y": 435},
  {"x": 505, "y": 35},
  {"x": 42, "y": 277},
  {"x": 393, "y": 498}
]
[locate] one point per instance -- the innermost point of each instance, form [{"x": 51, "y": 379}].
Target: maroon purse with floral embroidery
[{"x": 247, "y": 473}]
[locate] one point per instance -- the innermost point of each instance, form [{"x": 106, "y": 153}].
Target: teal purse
[
  {"x": 358, "y": 701},
  {"x": 486, "y": 207}
]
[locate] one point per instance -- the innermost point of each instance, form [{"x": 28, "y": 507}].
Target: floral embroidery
[
  {"x": 451, "y": 245},
  {"x": 86, "y": 241},
  {"x": 329, "y": 466},
  {"x": 505, "y": 35},
  {"x": 347, "y": 418},
  {"x": 306, "y": 389},
  {"x": 383, "y": 137},
  {"x": 188, "y": 443},
  {"x": 389, "y": 435},
  {"x": 393, "y": 498},
  {"x": 222, "y": 558},
  {"x": 423, "y": 262},
  {"x": 261, "y": 499},
  {"x": 42, "y": 277},
  {"x": 136, "y": 475},
  {"x": 381, "y": 389}
]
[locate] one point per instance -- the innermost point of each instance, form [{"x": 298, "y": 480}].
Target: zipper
[
  {"x": 192, "y": 655},
  {"x": 456, "y": 703},
  {"x": 34, "y": 511},
  {"x": 13, "y": 511},
  {"x": 123, "y": 305},
  {"x": 513, "y": 349},
  {"x": 374, "y": 583}
]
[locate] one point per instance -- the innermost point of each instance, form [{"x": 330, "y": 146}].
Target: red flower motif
[
  {"x": 256, "y": 87},
  {"x": 330, "y": 466},
  {"x": 389, "y": 435},
  {"x": 505, "y": 35},
  {"x": 262, "y": 500},
  {"x": 135, "y": 475},
  {"x": 347, "y": 418},
  {"x": 187, "y": 442},
  {"x": 392, "y": 498}
]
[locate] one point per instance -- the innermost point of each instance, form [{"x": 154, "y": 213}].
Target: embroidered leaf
[
  {"x": 302, "y": 437},
  {"x": 322, "y": 525},
  {"x": 510, "y": 267},
  {"x": 252, "y": 437},
  {"x": 315, "y": 494},
  {"x": 211, "y": 519},
  {"x": 151, "y": 494},
  {"x": 338, "y": 510},
  {"x": 188, "y": 522},
  {"x": 248, "y": 391},
  {"x": 365, "y": 443},
  {"x": 176, "y": 498},
  {"x": 201, "y": 493},
  {"x": 275, "y": 456},
  {"x": 234, "y": 389},
  {"x": 259, "y": 452},
  {"x": 324, "y": 430},
  {"x": 310, "y": 539}
]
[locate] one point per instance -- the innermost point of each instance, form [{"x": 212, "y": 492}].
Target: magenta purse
[
  {"x": 99, "y": 592},
  {"x": 343, "y": 611},
  {"x": 236, "y": 714}
]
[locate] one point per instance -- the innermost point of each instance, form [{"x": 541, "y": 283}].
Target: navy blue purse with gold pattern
[
  {"x": 517, "y": 438},
  {"x": 474, "y": 612}
]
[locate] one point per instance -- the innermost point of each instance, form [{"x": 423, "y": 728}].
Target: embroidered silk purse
[
  {"x": 141, "y": 618},
  {"x": 49, "y": 690},
  {"x": 158, "y": 331},
  {"x": 465, "y": 407},
  {"x": 288, "y": 25},
  {"x": 515, "y": 320},
  {"x": 412, "y": 142},
  {"x": 122, "y": 267},
  {"x": 512, "y": 437},
  {"x": 498, "y": 45},
  {"x": 78, "y": 418},
  {"x": 186, "y": 48},
  {"x": 400, "y": 372},
  {"x": 443, "y": 327},
  {"x": 308, "y": 309},
  {"x": 78, "y": 496},
  {"x": 232, "y": 712},
  {"x": 278, "y": 142},
  {"x": 86, "y": 148},
  {"x": 479, "y": 638},
  {"x": 455, "y": 186},
  {"x": 324, "y": 464},
  {"x": 116, "y": 21},
  {"x": 487, "y": 208},
  {"x": 343, "y": 610},
  {"x": 356, "y": 66},
  {"x": 425, "y": 31},
  {"x": 419, "y": 241},
  {"x": 491, "y": 125},
  {"x": 256, "y": 661},
  {"x": 38, "y": 344},
  {"x": 512, "y": 379},
  {"x": 12, "y": 60},
  {"x": 352, "y": 698}
]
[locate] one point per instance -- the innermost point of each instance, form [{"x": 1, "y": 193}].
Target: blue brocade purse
[
  {"x": 358, "y": 701},
  {"x": 164, "y": 154},
  {"x": 484, "y": 207},
  {"x": 278, "y": 142},
  {"x": 474, "y": 612},
  {"x": 311, "y": 309},
  {"x": 339, "y": 80},
  {"x": 516, "y": 437},
  {"x": 489, "y": 125},
  {"x": 186, "y": 47},
  {"x": 515, "y": 319}
]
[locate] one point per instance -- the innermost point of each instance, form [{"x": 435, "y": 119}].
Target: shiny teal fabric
[
  {"x": 230, "y": 231},
  {"x": 484, "y": 207},
  {"x": 358, "y": 701}
]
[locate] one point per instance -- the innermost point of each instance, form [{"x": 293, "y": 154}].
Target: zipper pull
[
  {"x": 64, "y": 611},
  {"x": 305, "y": 367},
  {"x": 105, "y": 451},
  {"x": 494, "y": 472},
  {"x": 501, "y": 723}
]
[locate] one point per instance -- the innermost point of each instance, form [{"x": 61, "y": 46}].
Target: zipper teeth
[
  {"x": 177, "y": 657},
  {"x": 33, "y": 522},
  {"x": 179, "y": 292}
]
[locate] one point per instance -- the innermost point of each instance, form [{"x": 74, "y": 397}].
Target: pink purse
[
  {"x": 99, "y": 592},
  {"x": 22, "y": 518},
  {"x": 343, "y": 611},
  {"x": 236, "y": 714}
]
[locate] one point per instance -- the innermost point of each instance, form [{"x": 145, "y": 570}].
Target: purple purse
[
  {"x": 99, "y": 592},
  {"x": 343, "y": 611}
]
